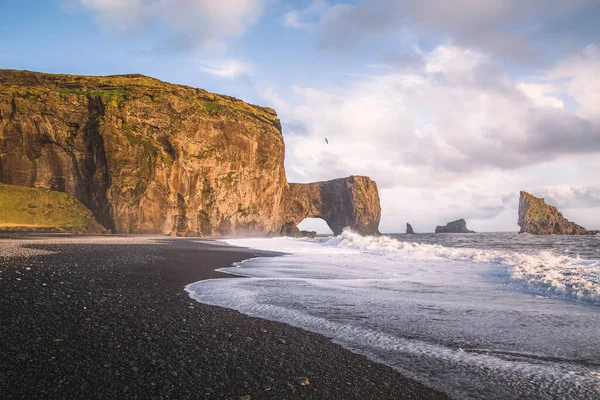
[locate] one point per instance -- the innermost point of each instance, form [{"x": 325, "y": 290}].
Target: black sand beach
[{"x": 108, "y": 317}]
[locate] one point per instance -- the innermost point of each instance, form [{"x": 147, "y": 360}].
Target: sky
[{"x": 451, "y": 107}]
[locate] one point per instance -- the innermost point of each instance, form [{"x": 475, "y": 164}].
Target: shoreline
[{"x": 108, "y": 317}]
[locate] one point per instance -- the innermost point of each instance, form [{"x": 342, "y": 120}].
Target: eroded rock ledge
[
  {"x": 347, "y": 202},
  {"x": 539, "y": 218}
]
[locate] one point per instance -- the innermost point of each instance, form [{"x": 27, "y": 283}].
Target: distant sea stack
[
  {"x": 145, "y": 156},
  {"x": 409, "y": 229},
  {"x": 458, "y": 226},
  {"x": 539, "y": 218}
]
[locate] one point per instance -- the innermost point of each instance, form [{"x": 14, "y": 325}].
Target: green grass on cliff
[
  {"x": 36, "y": 208},
  {"x": 132, "y": 87},
  {"x": 69, "y": 91},
  {"x": 107, "y": 95},
  {"x": 212, "y": 107}
]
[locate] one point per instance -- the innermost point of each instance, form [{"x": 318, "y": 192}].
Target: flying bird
[{"x": 326, "y": 141}]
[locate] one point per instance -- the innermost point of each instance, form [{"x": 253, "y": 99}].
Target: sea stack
[
  {"x": 539, "y": 218},
  {"x": 458, "y": 226},
  {"x": 345, "y": 202},
  {"x": 409, "y": 229}
]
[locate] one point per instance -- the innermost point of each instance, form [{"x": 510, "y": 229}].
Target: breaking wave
[
  {"x": 436, "y": 306},
  {"x": 543, "y": 272}
]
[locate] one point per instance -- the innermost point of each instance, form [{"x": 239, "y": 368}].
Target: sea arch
[{"x": 351, "y": 202}]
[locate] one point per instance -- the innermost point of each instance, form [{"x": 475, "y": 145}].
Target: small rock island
[
  {"x": 458, "y": 226},
  {"x": 539, "y": 218},
  {"x": 409, "y": 229}
]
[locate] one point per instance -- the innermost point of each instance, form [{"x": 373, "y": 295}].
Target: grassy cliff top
[
  {"x": 23, "y": 208},
  {"x": 529, "y": 196},
  {"x": 538, "y": 208},
  {"x": 129, "y": 86}
]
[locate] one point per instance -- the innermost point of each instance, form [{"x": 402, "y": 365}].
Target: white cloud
[
  {"x": 455, "y": 113},
  {"x": 291, "y": 19},
  {"x": 567, "y": 197},
  {"x": 193, "y": 23},
  {"x": 454, "y": 129},
  {"x": 227, "y": 68},
  {"x": 304, "y": 19},
  {"x": 499, "y": 27},
  {"x": 124, "y": 15},
  {"x": 270, "y": 95},
  {"x": 453, "y": 59},
  {"x": 582, "y": 75},
  {"x": 543, "y": 95}
]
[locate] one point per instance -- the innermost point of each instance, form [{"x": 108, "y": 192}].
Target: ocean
[{"x": 481, "y": 316}]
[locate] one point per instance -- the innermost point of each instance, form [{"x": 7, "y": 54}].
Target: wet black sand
[{"x": 107, "y": 318}]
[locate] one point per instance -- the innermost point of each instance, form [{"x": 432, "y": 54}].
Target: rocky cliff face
[
  {"x": 347, "y": 202},
  {"x": 458, "y": 226},
  {"x": 539, "y": 218},
  {"x": 146, "y": 156},
  {"x": 143, "y": 155}
]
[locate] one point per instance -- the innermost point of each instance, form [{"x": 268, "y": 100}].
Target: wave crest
[{"x": 543, "y": 272}]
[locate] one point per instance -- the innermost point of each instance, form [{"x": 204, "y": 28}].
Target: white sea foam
[
  {"x": 542, "y": 272},
  {"x": 440, "y": 314}
]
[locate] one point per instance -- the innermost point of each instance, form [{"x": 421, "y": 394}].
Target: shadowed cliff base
[{"x": 145, "y": 156}]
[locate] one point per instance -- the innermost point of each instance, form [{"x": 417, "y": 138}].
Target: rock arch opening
[
  {"x": 316, "y": 225},
  {"x": 351, "y": 202}
]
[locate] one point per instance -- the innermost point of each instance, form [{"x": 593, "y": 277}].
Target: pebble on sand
[{"x": 302, "y": 381}]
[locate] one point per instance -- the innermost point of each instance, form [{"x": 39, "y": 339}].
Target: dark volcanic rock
[
  {"x": 409, "y": 229},
  {"x": 145, "y": 156},
  {"x": 458, "y": 226},
  {"x": 309, "y": 234},
  {"x": 539, "y": 218},
  {"x": 293, "y": 231},
  {"x": 347, "y": 202}
]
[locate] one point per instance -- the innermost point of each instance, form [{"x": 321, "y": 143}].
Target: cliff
[
  {"x": 347, "y": 202},
  {"x": 458, "y": 226},
  {"x": 145, "y": 156},
  {"x": 539, "y": 218},
  {"x": 36, "y": 209}
]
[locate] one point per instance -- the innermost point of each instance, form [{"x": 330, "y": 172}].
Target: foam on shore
[{"x": 439, "y": 314}]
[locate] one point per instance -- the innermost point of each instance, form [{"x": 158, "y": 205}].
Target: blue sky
[{"x": 452, "y": 107}]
